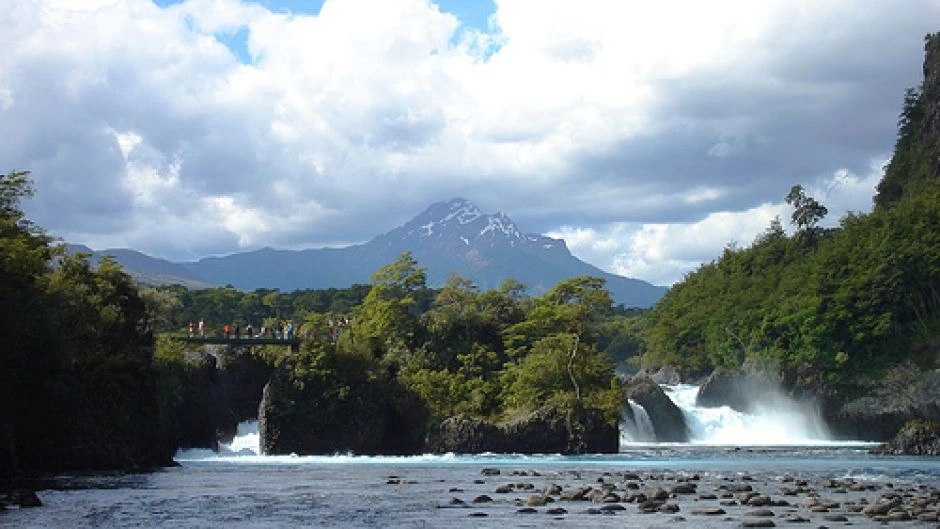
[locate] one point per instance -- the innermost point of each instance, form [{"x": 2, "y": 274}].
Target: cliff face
[{"x": 915, "y": 166}]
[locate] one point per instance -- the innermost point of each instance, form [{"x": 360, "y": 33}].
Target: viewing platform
[{"x": 293, "y": 343}]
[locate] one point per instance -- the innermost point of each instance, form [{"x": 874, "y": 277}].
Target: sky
[{"x": 647, "y": 135}]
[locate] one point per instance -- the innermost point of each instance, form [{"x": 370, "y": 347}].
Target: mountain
[
  {"x": 145, "y": 269},
  {"x": 448, "y": 238}
]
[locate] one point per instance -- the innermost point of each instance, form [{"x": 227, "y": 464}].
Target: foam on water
[{"x": 775, "y": 421}]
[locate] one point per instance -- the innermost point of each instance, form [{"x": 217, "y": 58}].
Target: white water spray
[
  {"x": 247, "y": 440},
  {"x": 776, "y": 421},
  {"x": 640, "y": 430}
]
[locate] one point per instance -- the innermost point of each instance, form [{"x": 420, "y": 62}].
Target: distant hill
[
  {"x": 448, "y": 238},
  {"x": 144, "y": 269}
]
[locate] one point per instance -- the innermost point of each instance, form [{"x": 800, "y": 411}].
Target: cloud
[{"x": 674, "y": 126}]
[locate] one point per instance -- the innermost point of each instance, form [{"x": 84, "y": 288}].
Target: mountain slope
[
  {"x": 448, "y": 238},
  {"x": 146, "y": 269}
]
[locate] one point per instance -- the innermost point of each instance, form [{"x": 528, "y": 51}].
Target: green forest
[{"x": 824, "y": 306}]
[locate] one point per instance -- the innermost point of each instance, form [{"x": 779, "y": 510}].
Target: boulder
[
  {"x": 351, "y": 412},
  {"x": 550, "y": 430},
  {"x": 463, "y": 434},
  {"x": 547, "y": 430},
  {"x": 668, "y": 420},
  {"x": 735, "y": 389},
  {"x": 916, "y": 438},
  {"x": 879, "y": 408}
]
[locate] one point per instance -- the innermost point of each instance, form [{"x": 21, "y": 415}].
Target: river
[{"x": 237, "y": 487}]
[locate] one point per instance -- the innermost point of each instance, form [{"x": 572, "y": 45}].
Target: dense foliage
[
  {"x": 76, "y": 385},
  {"x": 488, "y": 354},
  {"x": 824, "y": 306}
]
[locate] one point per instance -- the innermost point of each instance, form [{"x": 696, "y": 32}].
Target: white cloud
[{"x": 656, "y": 131}]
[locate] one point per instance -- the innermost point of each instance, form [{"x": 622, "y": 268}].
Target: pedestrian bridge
[{"x": 293, "y": 343}]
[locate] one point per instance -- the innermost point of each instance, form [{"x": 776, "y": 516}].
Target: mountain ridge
[{"x": 452, "y": 237}]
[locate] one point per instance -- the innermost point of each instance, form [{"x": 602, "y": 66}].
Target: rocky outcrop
[
  {"x": 9, "y": 467},
  {"x": 877, "y": 409},
  {"x": 916, "y": 438},
  {"x": 326, "y": 415},
  {"x": 736, "y": 389},
  {"x": 668, "y": 420},
  {"x": 544, "y": 431},
  {"x": 463, "y": 434}
]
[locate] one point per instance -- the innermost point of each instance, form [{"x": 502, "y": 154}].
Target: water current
[{"x": 238, "y": 488}]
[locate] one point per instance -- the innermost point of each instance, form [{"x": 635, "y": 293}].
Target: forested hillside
[{"x": 824, "y": 306}]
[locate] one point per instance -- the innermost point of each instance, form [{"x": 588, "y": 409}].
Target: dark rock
[
  {"x": 708, "y": 511},
  {"x": 920, "y": 438},
  {"x": 735, "y": 389},
  {"x": 551, "y": 430},
  {"x": 463, "y": 434},
  {"x": 482, "y": 498},
  {"x": 9, "y": 467},
  {"x": 877, "y": 409},
  {"x": 25, "y": 498},
  {"x": 761, "y": 522},
  {"x": 668, "y": 420},
  {"x": 344, "y": 412}
]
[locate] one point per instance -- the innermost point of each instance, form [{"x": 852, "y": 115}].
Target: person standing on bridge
[
  {"x": 248, "y": 330},
  {"x": 227, "y": 330},
  {"x": 202, "y": 328},
  {"x": 236, "y": 331},
  {"x": 191, "y": 327}
]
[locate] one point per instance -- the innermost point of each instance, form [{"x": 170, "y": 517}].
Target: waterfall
[
  {"x": 247, "y": 441},
  {"x": 640, "y": 430},
  {"x": 776, "y": 420}
]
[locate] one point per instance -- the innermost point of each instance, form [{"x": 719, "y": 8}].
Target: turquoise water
[{"x": 246, "y": 490}]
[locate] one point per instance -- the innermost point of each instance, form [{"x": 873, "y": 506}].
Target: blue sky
[
  {"x": 647, "y": 135},
  {"x": 472, "y": 14}
]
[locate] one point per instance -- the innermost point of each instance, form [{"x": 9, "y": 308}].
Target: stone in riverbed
[
  {"x": 760, "y": 522},
  {"x": 761, "y": 513},
  {"x": 708, "y": 511}
]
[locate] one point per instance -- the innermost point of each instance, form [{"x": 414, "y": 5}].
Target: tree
[
  {"x": 807, "y": 211},
  {"x": 387, "y": 320}
]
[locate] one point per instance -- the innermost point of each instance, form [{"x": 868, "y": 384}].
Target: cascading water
[
  {"x": 776, "y": 421},
  {"x": 640, "y": 429},
  {"x": 247, "y": 440}
]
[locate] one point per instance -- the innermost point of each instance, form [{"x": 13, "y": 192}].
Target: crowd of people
[{"x": 282, "y": 330}]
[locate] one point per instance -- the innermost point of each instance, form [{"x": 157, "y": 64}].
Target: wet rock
[
  {"x": 483, "y": 498},
  {"x": 708, "y": 511},
  {"x": 554, "y": 511},
  {"x": 25, "y": 498},
  {"x": 536, "y": 500},
  {"x": 683, "y": 488},
  {"x": 734, "y": 389},
  {"x": 919, "y": 438},
  {"x": 527, "y": 510},
  {"x": 763, "y": 513},
  {"x": 761, "y": 522},
  {"x": 882, "y": 506},
  {"x": 668, "y": 420}
]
